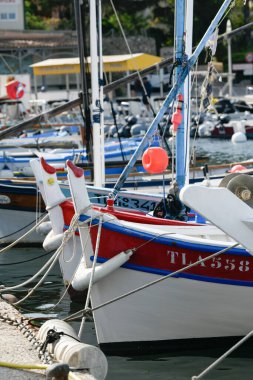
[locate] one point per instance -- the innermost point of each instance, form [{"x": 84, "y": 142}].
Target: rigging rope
[
  {"x": 88, "y": 310},
  {"x": 22, "y": 228},
  {"x": 23, "y": 236},
  {"x": 92, "y": 274}
]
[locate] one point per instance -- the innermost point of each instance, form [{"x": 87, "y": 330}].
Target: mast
[
  {"x": 84, "y": 86},
  {"x": 172, "y": 94},
  {"x": 101, "y": 88},
  {"x": 180, "y": 57},
  {"x": 187, "y": 86},
  {"x": 95, "y": 106}
]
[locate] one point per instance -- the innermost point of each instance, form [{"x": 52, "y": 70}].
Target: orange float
[{"x": 155, "y": 160}]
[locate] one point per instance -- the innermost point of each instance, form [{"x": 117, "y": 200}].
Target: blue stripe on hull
[{"x": 161, "y": 272}]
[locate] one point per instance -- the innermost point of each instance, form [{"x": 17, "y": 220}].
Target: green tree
[
  {"x": 32, "y": 21},
  {"x": 146, "y": 17}
]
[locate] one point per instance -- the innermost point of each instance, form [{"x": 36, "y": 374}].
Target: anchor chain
[{"x": 23, "y": 325}]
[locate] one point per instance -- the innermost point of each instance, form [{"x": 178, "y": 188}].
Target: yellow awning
[{"x": 111, "y": 63}]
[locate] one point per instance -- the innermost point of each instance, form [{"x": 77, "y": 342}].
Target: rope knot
[{"x": 52, "y": 336}]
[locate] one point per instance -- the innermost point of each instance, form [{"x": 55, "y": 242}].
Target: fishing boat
[
  {"x": 22, "y": 207},
  {"x": 152, "y": 287},
  {"x": 140, "y": 274}
]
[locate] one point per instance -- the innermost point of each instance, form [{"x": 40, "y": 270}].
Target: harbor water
[{"x": 19, "y": 264}]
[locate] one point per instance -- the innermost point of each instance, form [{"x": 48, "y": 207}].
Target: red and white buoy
[{"x": 177, "y": 116}]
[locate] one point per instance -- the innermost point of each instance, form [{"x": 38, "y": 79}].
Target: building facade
[{"x": 12, "y": 15}]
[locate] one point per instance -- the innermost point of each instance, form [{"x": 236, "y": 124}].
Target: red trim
[
  {"x": 78, "y": 172},
  {"x": 68, "y": 211},
  {"x": 171, "y": 258},
  {"x": 48, "y": 168},
  {"x": 129, "y": 216}
]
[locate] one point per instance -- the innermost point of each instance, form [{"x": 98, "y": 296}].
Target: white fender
[
  {"x": 69, "y": 350},
  {"x": 52, "y": 241},
  {"x": 44, "y": 228},
  {"x": 83, "y": 274}
]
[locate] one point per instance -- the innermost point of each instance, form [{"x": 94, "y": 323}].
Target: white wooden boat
[{"x": 209, "y": 300}]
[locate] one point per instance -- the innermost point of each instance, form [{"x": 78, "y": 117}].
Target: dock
[
  {"x": 19, "y": 355},
  {"x": 15, "y": 347}
]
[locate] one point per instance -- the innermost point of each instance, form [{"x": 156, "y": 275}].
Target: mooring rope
[
  {"x": 222, "y": 357},
  {"x": 66, "y": 236},
  {"x": 92, "y": 274},
  {"x": 21, "y": 229},
  {"x": 3, "y": 250}
]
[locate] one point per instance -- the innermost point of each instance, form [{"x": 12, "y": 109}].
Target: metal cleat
[{"x": 57, "y": 372}]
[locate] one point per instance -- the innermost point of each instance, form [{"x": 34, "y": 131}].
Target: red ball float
[{"x": 155, "y": 160}]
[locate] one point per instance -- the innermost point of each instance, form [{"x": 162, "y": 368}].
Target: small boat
[
  {"x": 114, "y": 151},
  {"x": 143, "y": 265},
  {"x": 22, "y": 207}
]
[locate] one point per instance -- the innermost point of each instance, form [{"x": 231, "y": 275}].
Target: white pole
[
  {"x": 187, "y": 86},
  {"x": 77, "y": 82},
  {"x": 128, "y": 87},
  {"x": 35, "y": 86},
  {"x": 67, "y": 85},
  {"x": 161, "y": 77},
  {"x": 101, "y": 77},
  {"x": 95, "y": 96},
  {"x": 230, "y": 74}
]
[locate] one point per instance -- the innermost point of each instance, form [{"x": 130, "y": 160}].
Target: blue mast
[
  {"x": 172, "y": 94},
  {"x": 179, "y": 57}
]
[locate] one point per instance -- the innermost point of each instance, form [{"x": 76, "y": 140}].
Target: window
[
  {"x": 8, "y": 16},
  {"x": 12, "y": 16}
]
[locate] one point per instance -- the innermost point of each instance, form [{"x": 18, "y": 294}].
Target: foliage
[
  {"x": 132, "y": 23},
  {"x": 33, "y": 21},
  {"x": 147, "y": 17}
]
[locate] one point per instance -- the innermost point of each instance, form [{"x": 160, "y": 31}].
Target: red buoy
[{"x": 155, "y": 160}]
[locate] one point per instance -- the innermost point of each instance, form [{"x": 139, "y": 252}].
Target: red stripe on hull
[{"x": 158, "y": 256}]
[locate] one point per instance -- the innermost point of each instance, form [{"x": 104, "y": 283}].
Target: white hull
[
  {"x": 15, "y": 224},
  {"x": 174, "y": 309}
]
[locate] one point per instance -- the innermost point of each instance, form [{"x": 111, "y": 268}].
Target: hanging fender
[
  {"x": 44, "y": 228},
  {"x": 82, "y": 277},
  {"x": 52, "y": 241},
  {"x": 177, "y": 116}
]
